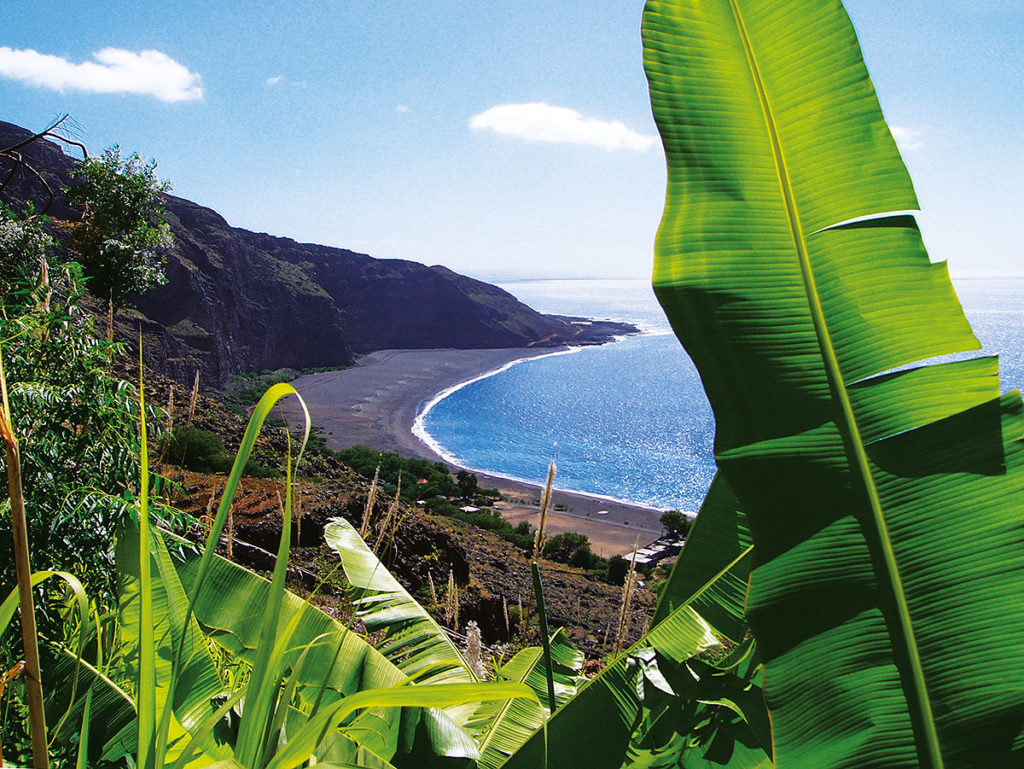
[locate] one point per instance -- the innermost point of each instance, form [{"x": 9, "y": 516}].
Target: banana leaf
[
  {"x": 704, "y": 715},
  {"x": 199, "y": 682},
  {"x": 505, "y": 726},
  {"x": 111, "y": 731},
  {"x": 595, "y": 728},
  {"x": 719, "y": 539},
  {"x": 413, "y": 640},
  {"x": 302, "y": 744},
  {"x": 340, "y": 660},
  {"x": 884, "y": 501}
]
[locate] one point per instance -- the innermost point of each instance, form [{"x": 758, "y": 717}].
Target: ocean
[{"x": 629, "y": 420}]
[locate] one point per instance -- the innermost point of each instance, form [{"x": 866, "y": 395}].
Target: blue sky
[{"x": 371, "y": 125}]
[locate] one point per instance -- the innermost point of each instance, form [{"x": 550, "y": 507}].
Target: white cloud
[
  {"x": 401, "y": 108},
  {"x": 908, "y": 139},
  {"x": 114, "y": 70},
  {"x": 541, "y": 122},
  {"x": 283, "y": 81}
]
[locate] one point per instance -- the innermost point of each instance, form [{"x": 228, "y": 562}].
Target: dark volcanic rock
[{"x": 239, "y": 301}]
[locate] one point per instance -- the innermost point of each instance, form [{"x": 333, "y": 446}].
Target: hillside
[
  {"x": 238, "y": 301},
  {"x": 493, "y": 576}
]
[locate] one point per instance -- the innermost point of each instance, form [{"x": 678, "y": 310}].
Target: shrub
[
  {"x": 562, "y": 547},
  {"x": 675, "y": 523},
  {"x": 74, "y": 419},
  {"x": 618, "y": 567},
  {"x": 438, "y": 480},
  {"x": 203, "y": 452}
]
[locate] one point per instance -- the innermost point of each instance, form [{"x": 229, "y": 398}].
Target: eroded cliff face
[{"x": 239, "y": 301}]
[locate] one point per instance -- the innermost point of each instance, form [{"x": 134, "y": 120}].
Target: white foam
[{"x": 419, "y": 428}]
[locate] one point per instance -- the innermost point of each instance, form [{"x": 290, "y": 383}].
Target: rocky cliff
[{"x": 239, "y": 301}]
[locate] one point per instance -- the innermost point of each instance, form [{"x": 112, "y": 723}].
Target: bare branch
[
  {"x": 25, "y": 142},
  {"x": 16, "y": 157},
  {"x": 46, "y": 186},
  {"x": 13, "y": 154}
]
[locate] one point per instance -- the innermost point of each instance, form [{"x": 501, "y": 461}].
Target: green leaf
[
  {"x": 412, "y": 639},
  {"x": 302, "y": 744},
  {"x": 10, "y": 604},
  {"x": 111, "y": 708},
  {"x": 719, "y": 539},
  {"x": 198, "y": 679},
  {"x": 255, "y": 737},
  {"x": 616, "y": 698},
  {"x": 229, "y": 608},
  {"x": 503, "y": 727},
  {"x": 340, "y": 660},
  {"x": 259, "y": 415},
  {"x": 851, "y": 474}
]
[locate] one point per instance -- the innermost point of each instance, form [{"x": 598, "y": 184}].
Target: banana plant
[
  {"x": 884, "y": 496},
  {"x": 338, "y": 663},
  {"x": 501, "y": 728},
  {"x": 659, "y": 704},
  {"x": 299, "y": 699},
  {"x": 413, "y": 639}
]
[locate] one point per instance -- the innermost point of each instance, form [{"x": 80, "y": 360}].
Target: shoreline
[{"x": 377, "y": 402}]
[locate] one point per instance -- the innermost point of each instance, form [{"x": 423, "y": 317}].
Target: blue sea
[{"x": 629, "y": 420}]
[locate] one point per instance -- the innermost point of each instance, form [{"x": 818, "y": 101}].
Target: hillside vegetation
[{"x": 823, "y": 613}]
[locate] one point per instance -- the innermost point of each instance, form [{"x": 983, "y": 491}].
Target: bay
[{"x": 629, "y": 420}]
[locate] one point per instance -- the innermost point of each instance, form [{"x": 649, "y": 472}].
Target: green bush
[
  {"x": 74, "y": 418},
  {"x": 195, "y": 449},
  {"x": 562, "y": 547},
  {"x": 203, "y": 452},
  {"x": 618, "y": 567},
  {"x": 438, "y": 479}
]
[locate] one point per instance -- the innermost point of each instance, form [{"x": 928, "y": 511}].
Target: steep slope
[{"x": 239, "y": 301}]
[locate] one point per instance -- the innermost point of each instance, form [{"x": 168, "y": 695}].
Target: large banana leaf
[
  {"x": 719, "y": 541},
  {"x": 413, "y": 640},
  {"x": 229, "y": 610},
  {"x": 595, "y": 728},
  {"x": 885, "y": 505}
]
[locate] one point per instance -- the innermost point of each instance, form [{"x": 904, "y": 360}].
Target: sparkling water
[{"x": 629, "y": 420}]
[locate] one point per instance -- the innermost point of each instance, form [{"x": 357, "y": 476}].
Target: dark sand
[{"x": 376, "y": 402}]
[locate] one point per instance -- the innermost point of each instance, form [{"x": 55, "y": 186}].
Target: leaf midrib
[{"x": 847, "y": 425}]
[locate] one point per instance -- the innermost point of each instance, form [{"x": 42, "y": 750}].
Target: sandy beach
[{"x": 376, "y": 402}]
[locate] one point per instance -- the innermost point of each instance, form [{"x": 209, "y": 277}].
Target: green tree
[
  {"x": 618, "y": 567},
  {"x": 119, "y": 239},
  {"x": 468, "y": 483},
  {"x": 676, "y": 524},
  {"x": 562, "y": 547},
  {"x": 75, "y": 422}
]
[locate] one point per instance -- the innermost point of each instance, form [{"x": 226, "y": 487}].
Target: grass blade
[{"x": 146, "y": 691}]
